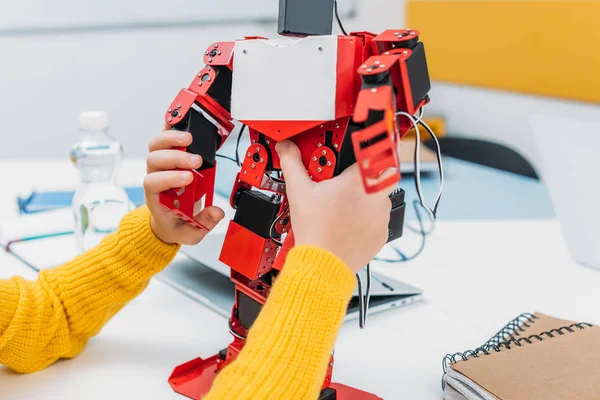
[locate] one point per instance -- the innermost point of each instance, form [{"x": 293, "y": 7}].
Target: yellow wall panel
[{"x": 543, "y": 47}]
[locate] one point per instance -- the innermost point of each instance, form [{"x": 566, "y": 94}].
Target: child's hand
[
  {"x": 337, "y": 214},
  {"x": 161, "y": 163}
]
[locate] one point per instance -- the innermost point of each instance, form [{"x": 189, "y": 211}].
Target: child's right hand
[
  {"x": 162, "y": 163},
  {"x": 337, "y": 214}
]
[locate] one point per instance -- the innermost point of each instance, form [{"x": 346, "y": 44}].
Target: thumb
[
  {"x": 291, "y": 165},
  {"x": 210, "y": 216}
]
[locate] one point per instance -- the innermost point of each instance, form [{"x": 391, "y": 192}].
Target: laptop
[
  {"x": 198, "y": 273},
  {"x": 217, "y": 292},
  {"x": 567, "y": 155}
]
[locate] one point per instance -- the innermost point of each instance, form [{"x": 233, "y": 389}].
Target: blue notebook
[{"x": 52, "y": 200}]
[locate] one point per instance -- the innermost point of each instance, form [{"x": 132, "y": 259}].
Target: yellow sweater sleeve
[
  {"x": 53, "y": 317},
  {"x": 289, "y": 346}
]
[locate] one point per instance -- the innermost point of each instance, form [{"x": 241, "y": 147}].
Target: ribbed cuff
[
  {"x": 135, "y": 236},
  {"x": 316, "y": 263},
  {"x": 112, "y": 273}
]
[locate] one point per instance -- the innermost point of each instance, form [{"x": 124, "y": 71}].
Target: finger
[
  {"x": 352, "y": 172},
  {"x": 162, "y": 160},
  {"x": 190, "y": 235},
  {"x": 292, "y": 166},
  {"x": 209, "y": 218},
  {"x": 170, "y": 139},
  {"x": 352, "y": 177},
  {"x": 161, "y": 181}
]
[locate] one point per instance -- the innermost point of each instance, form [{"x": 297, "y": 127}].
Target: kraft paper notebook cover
[{"x": 534, "y": 357}]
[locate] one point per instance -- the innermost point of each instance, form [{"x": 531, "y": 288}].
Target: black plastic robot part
[
  {"x": 248, "y": 310},
  {"x": 305, "y": 17},
  {"x": 396, "y": 224},
  {"x": 205, "y": 134},
  {"x": 256, "y": 212},
  {"x": 328, "y": 394}
]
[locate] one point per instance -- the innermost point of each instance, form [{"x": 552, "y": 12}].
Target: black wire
[
  {"x": 278, "y": 179},
  {"x": 361, "y": 302},
  {"x": 368, "y": 293},
  {"x": 337, "y": 16},
  {"x": 421, "y": 229},
  {"x": 364, "y": 299},
  {"x": 237, "y": 146},
  {"x": 438, "y": 155},
  {"x": 423, "y": 234},
  {"x": 277, "y": 242}
]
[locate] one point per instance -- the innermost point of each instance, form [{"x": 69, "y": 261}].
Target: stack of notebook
[{"x": 534, "y": 357}]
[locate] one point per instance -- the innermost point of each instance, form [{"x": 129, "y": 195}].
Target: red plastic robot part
[{"x": 377, "y": 77}]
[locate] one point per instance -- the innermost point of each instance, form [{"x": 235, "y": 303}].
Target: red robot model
[{"x": 338, "y": 98}]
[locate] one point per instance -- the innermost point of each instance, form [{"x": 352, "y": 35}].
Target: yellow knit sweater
[{"x": 54, "y": 316}]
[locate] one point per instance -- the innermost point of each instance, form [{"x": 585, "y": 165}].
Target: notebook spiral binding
[
  {"x": 512, "y": 329},
  {"x": 505, "y": 338}
]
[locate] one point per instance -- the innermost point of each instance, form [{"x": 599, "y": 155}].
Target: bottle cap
[{"x": 93, "y": 120}]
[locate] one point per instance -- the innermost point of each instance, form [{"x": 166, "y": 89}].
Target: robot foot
[
  {"x": 343, "y": 392},
  {"x": 194, "y": 378}
]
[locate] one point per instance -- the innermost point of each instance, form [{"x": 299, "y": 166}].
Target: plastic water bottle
[{"x": 99, "y": 203}]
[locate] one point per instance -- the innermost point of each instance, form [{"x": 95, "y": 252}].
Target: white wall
[
  {"x": 499, "y": 116},
  {"x": 45, "y": 81}
]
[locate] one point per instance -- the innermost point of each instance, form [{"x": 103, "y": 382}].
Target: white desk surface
[{"x": 476, "y": 276}]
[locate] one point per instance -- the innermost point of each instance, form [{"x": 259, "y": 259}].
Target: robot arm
[
  {"x": 394, "y": 80},
  {"x": 203, "y": 109}
]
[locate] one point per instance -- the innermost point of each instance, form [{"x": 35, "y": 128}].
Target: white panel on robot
[{"x": 43, "y": 15}]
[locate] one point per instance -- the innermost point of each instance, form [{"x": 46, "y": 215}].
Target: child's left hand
[{"x": 162, "y": 162}]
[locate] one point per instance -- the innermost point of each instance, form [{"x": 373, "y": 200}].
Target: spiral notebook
[{"x": 533, "y": 357}]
